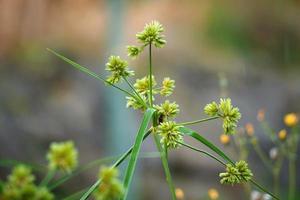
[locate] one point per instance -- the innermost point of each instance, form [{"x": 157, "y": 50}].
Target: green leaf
[
  {"x": 116, "y": 164},
  {"x": 88, "y": 72},
  {"x": 206, "y": 142},
  {"x": 136, "y": 149}
]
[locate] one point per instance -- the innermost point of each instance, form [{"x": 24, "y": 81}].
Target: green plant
[{"x": 158, "y": 121}]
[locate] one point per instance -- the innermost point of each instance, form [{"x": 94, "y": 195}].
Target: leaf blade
[{"x": 136, "y": 149}]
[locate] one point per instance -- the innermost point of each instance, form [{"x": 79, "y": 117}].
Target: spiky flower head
[
  {"x": 118, "y": 69},
  {"x": 62, "y": 156},
  {"x": 167, "y": 110},
  {"x": 21, "y": 175},
  {"x": 170, "y": 135},
  {"x": 135, "y": 104},
  {"x": 133, "y": 51},
  {"x": 152, "y": 34},
  {"x": 142, "y": 85},
  {"x": 224, "y": 109},
  {"x": 168, "y": 86},
  {"x": 237, "y": 173},
  {"x": 111, "y": 188},
  {"x": 211, "y": 109}
]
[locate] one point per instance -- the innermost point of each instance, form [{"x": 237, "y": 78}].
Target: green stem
[
  {"x": 150, "y": 73},
  {"x": 198, "y": 121},
  {"x": 263, "y": 189},
  {"x": 134, "y": 90},
  {"x": 48, "y": 178},
  {"x": 163, "y": 155},
  {"x": 292, "y": 178},
  {"x": 202, "y": 151}
]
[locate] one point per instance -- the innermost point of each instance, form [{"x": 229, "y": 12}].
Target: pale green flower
[
  {"x": 170, "y": 135},
  {"x": 135, "y": 104},
  {"x": 62, "y": 156},
  {"x": 134, "y": 51},
  {"x": 152, "y": 34},
  {"x": 142, "y": 85},
  {"x": 118, "y": 69},
  {"x": 168, "y": 86},
  {"x": 227, "y": 112},
  {"x": 211, "y": 109},
  {"x": 237, "y": 173},
  {"x": 167, "y": 110},
  {"x": 21, "y": 175},
  {"x": 110, "y": 188}
]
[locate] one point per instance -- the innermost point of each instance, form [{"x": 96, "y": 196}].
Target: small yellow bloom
[
  {"x": 213, "y": 194},
  {"x": 179, "y": 193},
  {"x": 282, "y": 134},
  {"x": 290, "y": 119},
  {"x": 224, "y": 139},
  {"x": 261, "y": 115},
  {"x": 249, "y": 129}
]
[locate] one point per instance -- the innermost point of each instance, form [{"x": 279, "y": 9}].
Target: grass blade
[
  {"x": 88, "y": 72},
  {"x": 136, "y": 149},
  {"x": 206, "y": 142},
  {"x": 116, "y": 164}
]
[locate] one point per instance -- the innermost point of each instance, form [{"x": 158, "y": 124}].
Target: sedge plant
[{"x": 158, "y": 122}]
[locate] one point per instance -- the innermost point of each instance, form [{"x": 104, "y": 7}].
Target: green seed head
[
  {"x": 168, "y": 86},
  {"x": 62, "y": 156},
  {"x": 170, "y": 135}
]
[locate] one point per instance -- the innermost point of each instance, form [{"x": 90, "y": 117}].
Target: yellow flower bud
[
  {"x": 282, "y": 134},
  {"x": 290, "y": 119},
  {"x": 213, "y": 194},
  {"x": 249, "y": 129},
  {"x": 179, "y": 193},
  {"x": 224, "y": 139},
  {"x": 261, "y": 115}
]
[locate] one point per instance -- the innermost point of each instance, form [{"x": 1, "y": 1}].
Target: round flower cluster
[
  {"x": 111, "y": 188},
  {"x": 227, "y": 112},
  {"x": 237, "y": 173},
  {"x": 62, "y": 156},
  {"x": 20, "y": 186}
]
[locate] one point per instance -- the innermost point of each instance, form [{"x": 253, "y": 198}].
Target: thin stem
[
  {"x": 163, "y": 155},
  {"x": 198, "y": 121},
  {"x": 292, "y": 163},
  {"x": 263, "y": 189},
  {"x": 202, "y": 151},
  {"x": 224, "y": 164},
  {"x": 150, "y": 73},
  {"x": 116, "y": 164},
  {"x": 49, "y": 176},
  {"x": 134, "y": 90}
]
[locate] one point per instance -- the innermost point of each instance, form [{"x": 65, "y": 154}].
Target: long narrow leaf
[
  {"x": 88, "y": 72},
  {"x": 206, "y": 142},
  {"x": 136, "y": 149},
  {"x": 210, "y": 145},
  {"x": 116, "y": 164}
]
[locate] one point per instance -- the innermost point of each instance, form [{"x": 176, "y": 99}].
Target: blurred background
[{"x": 248, "y": 50}]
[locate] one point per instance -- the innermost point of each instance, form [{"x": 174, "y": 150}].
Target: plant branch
[
  {"x": 198, "y": 121},
  {"x": 134, "y": 90},
  {"x": 150, "y": 74}
]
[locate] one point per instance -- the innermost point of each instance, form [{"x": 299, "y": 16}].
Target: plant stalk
[
  {"x": 150, "y": 74},
  {"x": 198, "y": 121}
]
